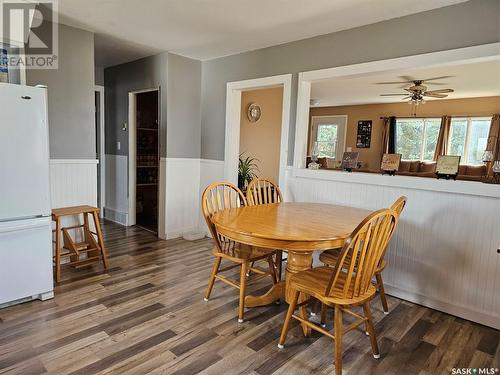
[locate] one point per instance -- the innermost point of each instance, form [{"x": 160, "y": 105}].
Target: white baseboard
[
  {"x": 465, "y": 312},
  {"x": 116, "y": 216},
  {"x": 180, "y": 232}
]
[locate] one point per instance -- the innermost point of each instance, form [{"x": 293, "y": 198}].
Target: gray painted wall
[
  {"x": 179, "y": 79},
  {"x": 463, "y": 25},
  {"x": 146, "y": 73},
  {"x": 184, "y": 107},
  {"x": 99, "y": 75},
  {"x": 70, "y": 96}
]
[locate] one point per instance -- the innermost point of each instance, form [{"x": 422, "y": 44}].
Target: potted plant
[{"x": 247, "y": 169}]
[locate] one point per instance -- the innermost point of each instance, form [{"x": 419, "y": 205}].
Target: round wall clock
[{"x": 253, "y": 112}]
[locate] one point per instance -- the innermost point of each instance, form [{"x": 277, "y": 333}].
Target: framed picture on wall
[{"x": 364, "y": 134}]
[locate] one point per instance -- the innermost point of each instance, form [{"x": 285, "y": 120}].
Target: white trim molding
[
  {"x": 233, "y": 116},
  {"x": 74, "y": 161},
  {"x": 405, "y": 182},
  {"x": 102, "y": 149}
]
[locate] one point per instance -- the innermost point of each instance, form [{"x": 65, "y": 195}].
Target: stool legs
[{"x": 97, "y": 224}]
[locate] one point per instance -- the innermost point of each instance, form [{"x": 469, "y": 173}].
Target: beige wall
[
  {"x": 436, "y": 108},
  {"x": 262, "y": 139}
]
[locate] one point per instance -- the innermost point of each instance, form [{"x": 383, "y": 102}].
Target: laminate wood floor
[{"x": 147, "y": 315}]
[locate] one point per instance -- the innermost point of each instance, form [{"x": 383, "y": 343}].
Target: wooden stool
[{"x": 92, "y": 244}]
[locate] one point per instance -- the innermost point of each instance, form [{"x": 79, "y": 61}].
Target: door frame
[
  {"x": 233, "y": 119},
  {"x": 101, "y": 165},
  {"x": 132, "y": 146}
]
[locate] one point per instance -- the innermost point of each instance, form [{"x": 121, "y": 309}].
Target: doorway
[
  {"x": 144, "y": 159},
  {"x": 233, "y": 120},
  {"x": 100, "y": 144},
  {"x": 260, "y": 137}
]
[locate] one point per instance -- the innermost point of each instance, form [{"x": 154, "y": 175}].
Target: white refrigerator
[{"x": 25, "y": 222}]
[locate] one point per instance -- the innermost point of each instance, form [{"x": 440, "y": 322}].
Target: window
[
  {"x": 416, "y": 138},
  {"x": 468, "y": 138},
  {"x": 328, "y": 133},
  {"x": 326, "y": 139}
]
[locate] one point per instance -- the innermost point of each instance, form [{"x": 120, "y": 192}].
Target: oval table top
[{"x": 290, "y": 226}]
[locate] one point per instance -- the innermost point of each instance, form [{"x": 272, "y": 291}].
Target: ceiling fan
[{"x": 416, "y": 93}]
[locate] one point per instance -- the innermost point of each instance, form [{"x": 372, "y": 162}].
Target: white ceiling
[
  {"x": 205, "y": 29},
  {"x": 468, "y": 81}
]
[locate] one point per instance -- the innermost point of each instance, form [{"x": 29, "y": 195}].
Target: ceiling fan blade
[
  {"x": 392, "y": 83},
  {"x": 436, "y": 78},
  {"x": 440, "y": 91},
  {"x": 392, "y": 94},
  {"x": 408, "y": 78},
  {"x": 406, "y": 97},
  {"x": 434, "y": 95},
  {"x": 436, "y": 83}
]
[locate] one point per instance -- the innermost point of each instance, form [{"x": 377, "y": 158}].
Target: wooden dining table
[{"x": 297, "y": 228}]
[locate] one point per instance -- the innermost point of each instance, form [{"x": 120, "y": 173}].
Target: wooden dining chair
[
  {"x": 346, "y": 285},
  {"x": 265, "y": 191},
  {"x": 330, "y": 258},
  {"x": 220, "y": 196}
]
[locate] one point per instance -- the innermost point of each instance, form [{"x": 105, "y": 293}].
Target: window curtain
[
  {"x": 443, "y": 136},
  {"x": 493, "y": 144},
  {"x": 389, "y": 137}
]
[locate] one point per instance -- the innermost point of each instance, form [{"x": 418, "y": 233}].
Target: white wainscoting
[
  {"x": 116, "y": 189},
  {"x": 182, "y": 196},
  {"x": 444, "y": 252},
  {"x": 210, "y": 171},
  {"x": 184, "y": 179},
  {"x": 73, "y": 182}
]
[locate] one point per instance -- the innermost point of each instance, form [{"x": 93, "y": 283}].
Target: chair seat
[
  {"x": 240, "y": 253},
  {"x": 331, "y": 257},
  {"x": 315, "y": 281}
]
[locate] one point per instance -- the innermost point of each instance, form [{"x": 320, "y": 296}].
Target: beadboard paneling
[
  {"x": 73, "y": 182},
  {"x": 444, "y": 252},
  {"x": 210, "y": 172},
  {"x": 182, "y": 195}
]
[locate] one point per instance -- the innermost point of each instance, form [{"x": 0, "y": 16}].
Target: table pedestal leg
[
  {"x": 274, "y": 294},
  {"x": 297, "y": 261}
]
